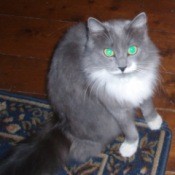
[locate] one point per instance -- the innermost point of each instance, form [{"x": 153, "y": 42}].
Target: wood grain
[
  {"x": 33, "y": 38},
  {"x": 25, "y": 75}
]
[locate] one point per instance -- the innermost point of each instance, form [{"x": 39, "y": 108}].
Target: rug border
[
  {"x": 160, "y": 162},
  {"x": 166, "y": 147},
  {"x": 25, "y": 99}
]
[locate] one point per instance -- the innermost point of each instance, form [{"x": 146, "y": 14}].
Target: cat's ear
[
  {"x": 139, "y": 21},
  {"x": 138, "y": 27},
  {"x": 94, "y": 25}
]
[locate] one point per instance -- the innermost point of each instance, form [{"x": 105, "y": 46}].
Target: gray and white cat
[{"x": 100, "y": 73}]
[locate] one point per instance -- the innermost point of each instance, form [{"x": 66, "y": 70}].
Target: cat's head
[{"x": 121, "y": 47}]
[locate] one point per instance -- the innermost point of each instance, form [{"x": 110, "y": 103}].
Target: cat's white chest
[{"x": 131, "y": 89}]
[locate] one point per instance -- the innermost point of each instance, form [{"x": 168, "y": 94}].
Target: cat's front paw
[
  {"x": 128, "y": 149},
  {"x": 156, "y": 123}
]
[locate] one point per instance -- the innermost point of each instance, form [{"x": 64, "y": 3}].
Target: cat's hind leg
[{"x": 81, "y": 150}]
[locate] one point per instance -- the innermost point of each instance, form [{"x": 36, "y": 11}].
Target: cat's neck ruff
[{"x": 133, "y": 89}]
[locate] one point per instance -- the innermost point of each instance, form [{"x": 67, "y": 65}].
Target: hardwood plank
[
  {"x": 157, "y": 15},
  {"x": 65, "y": 9},
  {"x": 61, "y": 10},
  {"x": 27, "y": 37},
  {"x": 18, "y": 74},
  {"x": 165, "y": 93},
  {"x": 32, "y": 8},
  {"x": 81, "y": 10},
  {"x": 166, "y": 44}
]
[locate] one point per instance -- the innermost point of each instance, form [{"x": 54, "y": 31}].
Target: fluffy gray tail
[{"x": 43, "y": 155}]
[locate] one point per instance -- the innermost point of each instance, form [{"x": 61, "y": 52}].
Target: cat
[{"x": 100, "y": 73}]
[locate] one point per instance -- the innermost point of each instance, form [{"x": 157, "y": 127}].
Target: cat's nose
[{"x": 122, "y": 68}]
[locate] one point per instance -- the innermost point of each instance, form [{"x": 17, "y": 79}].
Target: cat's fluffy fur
[{"x": 94, "y": 96}]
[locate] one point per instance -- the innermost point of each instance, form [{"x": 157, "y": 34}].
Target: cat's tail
[{"x": 43, "y": 155}]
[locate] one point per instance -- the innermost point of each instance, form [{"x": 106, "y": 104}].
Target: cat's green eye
[
  {"x": 108, "y": 52},
  {"x": 132, "y": 50}
]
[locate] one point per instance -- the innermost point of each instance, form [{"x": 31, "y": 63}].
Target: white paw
[
  {"x": 128, "y": 149},
  {"x": 156, "y": 123}
]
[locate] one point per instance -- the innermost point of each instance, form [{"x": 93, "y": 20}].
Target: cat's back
[
  {"x": 67, "y": 54},
  {"x": 77, "y": 33},
  {"x": 73, "y": 41},
  {"x": 65, "y": 67}
]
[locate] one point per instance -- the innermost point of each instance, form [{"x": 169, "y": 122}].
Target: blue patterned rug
[{"x": 21, "y": 116}]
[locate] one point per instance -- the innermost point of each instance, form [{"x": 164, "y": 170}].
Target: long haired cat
[{"x": 100, "y": 73}]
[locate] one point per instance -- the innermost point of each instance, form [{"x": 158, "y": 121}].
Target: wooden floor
[{"x": 29, "y": 31}]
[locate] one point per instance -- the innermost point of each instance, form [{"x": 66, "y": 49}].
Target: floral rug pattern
[{"x": 21, "y": 116}]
